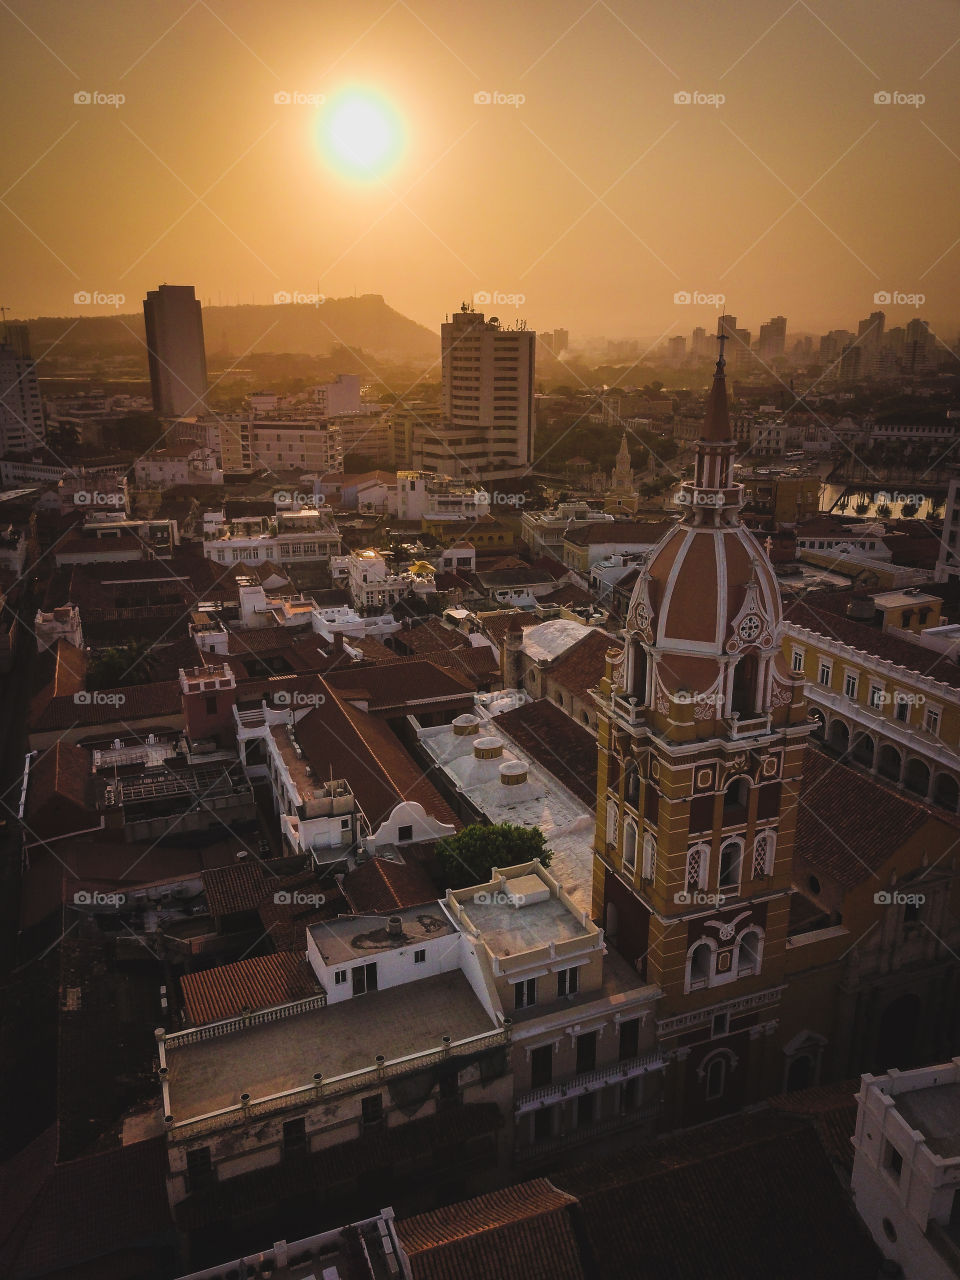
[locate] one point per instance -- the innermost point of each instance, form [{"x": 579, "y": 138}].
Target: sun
[{"x": 362, "y": 134}]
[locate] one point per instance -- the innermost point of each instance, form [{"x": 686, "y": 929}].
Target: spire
[{"x": 716, "y": 424}]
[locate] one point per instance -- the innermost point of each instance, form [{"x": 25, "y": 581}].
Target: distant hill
[{"x": 365, "y": 323}]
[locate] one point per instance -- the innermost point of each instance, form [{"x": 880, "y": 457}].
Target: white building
[
  {"x": 290, "y": 537},
  {"x": 423, "y": 495},
  {"x": 371, "y": 584},
  {"x": 177, "y": 464},
  {"x": 906, "y": 1168},
  {"x": 544, "y": 531},
  {"x": 340, "y": 396},
  {"x": 21, "y": 409},
  {"x": 282, "y": 442}
]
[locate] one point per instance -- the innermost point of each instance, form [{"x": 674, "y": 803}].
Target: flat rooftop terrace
[
  {"x": 340, "y": 1038},
  {"x": 352, "y": 937},
  {"x": 935, "y": 1111},
  {"x": 509, "y": 931}
]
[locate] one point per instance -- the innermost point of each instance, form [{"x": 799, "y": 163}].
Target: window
[
  {"x": 748, "y": 953},
  {"x": 420, "y": 955},
  {"x": 611, "y": 823},
  {"x": 649, "y": 868},
  {"x": 199, "y": 1168},
  {"x": 568, "y": 982},
  {"x": 716, "y": 1078},
  {"x": 901, "y": 708},
  {"x": 371, "y": 1108},
  {"x": 731, "y": 855},
  {"x": 294, "y": 1136},
  {"x": 541, "y": 1066},
  {"x": 698, "y": 860},
  {"x": 931, "y": 720},
  {"x": 586, "y": 1109},
  {"x": 797, "y": 660},
  {"x": 850, "y": 684},
  {"x": 701, "y": 965},
  {"x": 825, "y": 672},
  {"x": 345, "y": 824},
  {"x": 764, "y": 845},
  {"x": 720, "y": 1024},
  {"x": 525, "y": 993},
  {"x": 405, "y": 833},
  {"x": 876, "y": 697},
  {"x": 339, "y": 976},
  {"x": 629, "y": 847},
  {"x": 586, "y": 1051},
  {"x": 629, "y": 1040}
]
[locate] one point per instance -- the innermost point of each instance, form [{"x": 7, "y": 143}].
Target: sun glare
[{"x": 362, "y": 134}]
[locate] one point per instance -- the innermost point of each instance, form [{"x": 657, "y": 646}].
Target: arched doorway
[
  {"x": 946, "y": 792},
  {"x": 744, "y": 699},
  {"x": 888, "y": 762},
  {"x": 917, "y": 777},
  {"x": 897, "y": 1036},
  {"x": 838, "y": 736}
]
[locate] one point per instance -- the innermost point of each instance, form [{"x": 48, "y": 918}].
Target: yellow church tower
[{"x": 702, "y": 731}]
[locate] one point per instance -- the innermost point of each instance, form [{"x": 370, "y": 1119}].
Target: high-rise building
[
  {"x": 561, "y": 340},
  {"x": 340, "y": 396},
  {"x": 488, "y": 385},
  {"x": 920, "y": 347},
  {"x": 702, "y": 344},
  {"x": 702, "y": 730},
  {"x": 21, "y": 409},
  {"x": 676, "y": 349},
  {"x": 773, "y": 337},
  {"x": 870, "y": 331},
  {"x": 178, "y": 362}
]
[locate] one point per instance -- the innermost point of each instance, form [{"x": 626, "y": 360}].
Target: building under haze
[
  {"x": 488, "y": 374},
  {"x": 178, "y": 362},
  {"x": 773, "y": 337},
  {"x": 21, "y": 409}
]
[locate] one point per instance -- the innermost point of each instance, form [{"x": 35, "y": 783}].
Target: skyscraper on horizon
[
  {"x": 22, "y": 425},
  {"x": 773, "y": 338},
  {"x": 178, "y": 362}
]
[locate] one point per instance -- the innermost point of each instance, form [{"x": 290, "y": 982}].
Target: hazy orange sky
[{"x": 597, "y": 199}]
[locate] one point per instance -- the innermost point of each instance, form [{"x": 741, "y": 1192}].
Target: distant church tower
[
  {"x": 702, "y": 732},
  {"x": 622, "y": 495}
]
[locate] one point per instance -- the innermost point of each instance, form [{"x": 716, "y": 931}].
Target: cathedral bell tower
[{"x": 702, "y": 730}]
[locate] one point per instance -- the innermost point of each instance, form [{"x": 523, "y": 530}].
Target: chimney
[{"x": 395, "y": 927}]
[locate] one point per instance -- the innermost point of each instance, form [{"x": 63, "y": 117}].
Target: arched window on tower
[
  {"x": 699, "y": 966},
  {"x": 631, "y": 783},
  {"x": 744, "y": 700},
  {"x": 629, "y": 846},
  {"x": 649, "y": 866},
  {"x": 638, "y": 673},
  {"x": 731, "y": 857},
  {"x": 749, "y": 951},
  {"x": 611, "y": 823},
  {"x": 736, "y": 798},
  {"x": 764, "y": 847},
  {"x": 716, "y": 1077},
  {"x": 698, "y": 865}
]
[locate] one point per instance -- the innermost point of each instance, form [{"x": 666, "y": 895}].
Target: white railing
[
  {"x": 226, "y": 1027},
  {"x": 588, "y": 1081},
  {"x": 744, "y": 728}
]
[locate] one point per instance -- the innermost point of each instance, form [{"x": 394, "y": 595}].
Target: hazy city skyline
[{"x": 385, "y": 150}]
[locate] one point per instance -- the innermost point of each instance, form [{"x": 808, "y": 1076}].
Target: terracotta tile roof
[
  {"x": 849, "y": 824},
  {"x": 639, "y": 532},
  {"x": 825, "y": 612},
  {"x": 373, "y": 650},
  {"x": 432, "y": 635},
  {"x": 234, "y": 889},
  {"x": 258, "y": 982},
  {"x": 387, "y": 686},
  {"x": 832, "y": 1109},
  {"x": 95, "y": 1210},
  {"x": 581, "y": 667},
  {"x": 524, "y": 1232},
  {"x": 557, "y": 743},
  {"x": 255, "y": 640},
  {"x": 384, "y": 885},
  {"x": 59, "y": 793},
  {"x": 140, "y": 702},
  {"x": 341, "y": 737},
  {"x": 703, "y": 1206},
  {"x": 569, "y": 594},
  {"x": 495, "y": 623},
  {"x": 287, "y": 922}
]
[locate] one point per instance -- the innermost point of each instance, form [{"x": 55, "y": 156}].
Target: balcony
[
  {"x": 747, "y": 727},
  {"x": 628, "y": 711},
  {"x": 587, "y": 1082}
]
